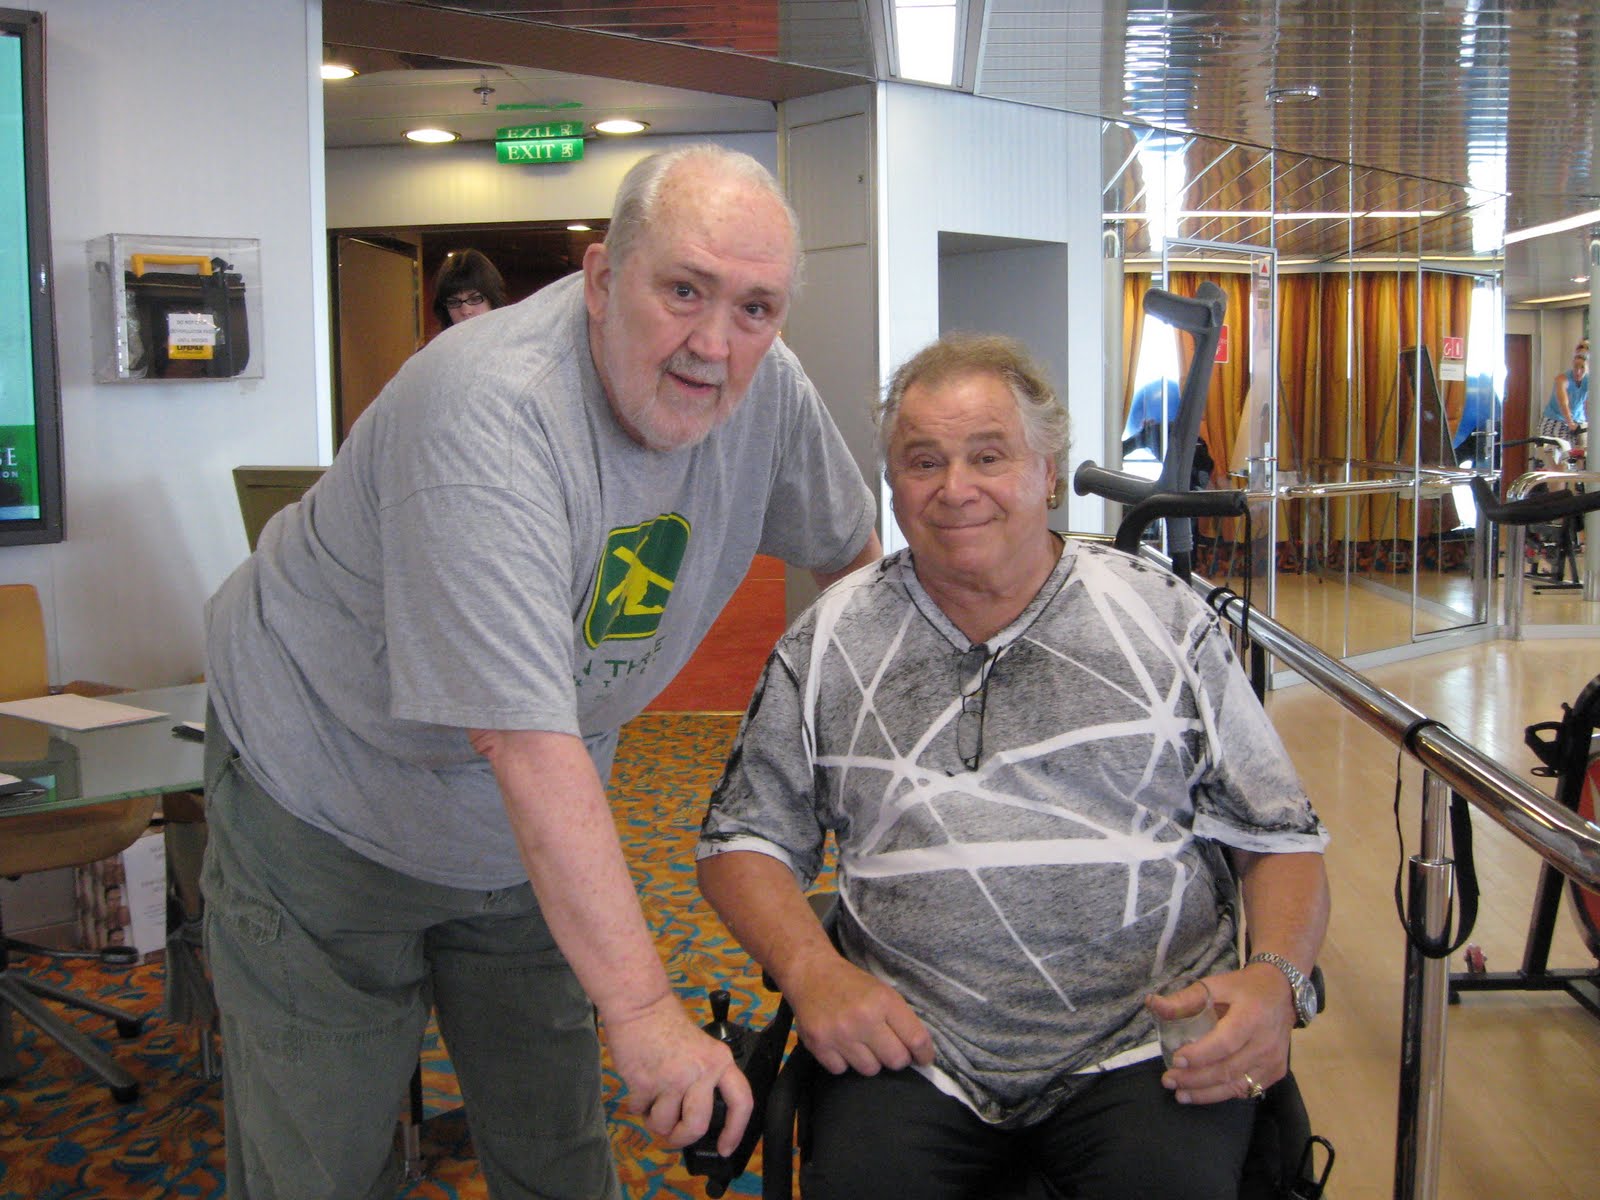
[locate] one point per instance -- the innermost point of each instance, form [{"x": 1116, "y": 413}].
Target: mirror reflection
[{"x": 1361, "y": 383}]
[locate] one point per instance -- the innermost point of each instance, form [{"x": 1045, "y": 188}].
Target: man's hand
[
  {"x": 850, "y": 1020},
  {"x": 672, "y": 1068},
  {"x": 1255, "y": 1011}
]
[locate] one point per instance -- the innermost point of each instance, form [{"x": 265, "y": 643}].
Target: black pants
[{"x": 1121, "y": 1137}]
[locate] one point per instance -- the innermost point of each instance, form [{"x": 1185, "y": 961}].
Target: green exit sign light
[
  {"x": 549, "y": 129},
  {"x": 539, "y": 150}
]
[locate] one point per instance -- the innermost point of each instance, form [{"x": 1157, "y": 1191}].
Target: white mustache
[{"x": 695, "y": 369}]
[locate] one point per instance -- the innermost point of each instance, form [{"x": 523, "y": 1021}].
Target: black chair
[{"x": 1286, "y": 1161}]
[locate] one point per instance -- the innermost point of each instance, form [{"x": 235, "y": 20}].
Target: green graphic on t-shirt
[{"x": 635, "y": 579}]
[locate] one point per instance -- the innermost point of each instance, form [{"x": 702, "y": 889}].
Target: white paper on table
[{"x": 76, "y": 712}]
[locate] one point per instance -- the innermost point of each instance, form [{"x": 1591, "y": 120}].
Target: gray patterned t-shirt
[{"x": 1023, "y": 908}]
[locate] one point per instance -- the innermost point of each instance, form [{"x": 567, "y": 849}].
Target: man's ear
[{"x": 596, "y": 280}]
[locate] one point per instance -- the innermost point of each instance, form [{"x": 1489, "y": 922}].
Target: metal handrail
[
  {"x": 1564, "y": 839},
  {"x": 1558, "y": 835},
  {"x": 1298, "y": 491},
  {"x": 1526, "y": 482}
]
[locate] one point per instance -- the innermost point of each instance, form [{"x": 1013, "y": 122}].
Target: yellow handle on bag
[{"x": 140, "y": 261}]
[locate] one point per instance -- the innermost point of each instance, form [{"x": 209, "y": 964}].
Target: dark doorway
[
  {"x": 529, "y": 256},
  {"x": 381, "y": 316}
]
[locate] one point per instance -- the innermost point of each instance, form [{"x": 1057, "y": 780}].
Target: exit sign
[
  {"x": 539, "y": 150},
  {"x": 550, "y": 129}
]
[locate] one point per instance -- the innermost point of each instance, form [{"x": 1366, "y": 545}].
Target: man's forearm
[
  {"x": 568, "y": 842},
  {"x": 1286, "y": 904},
  {"x": 760, "y": 901}
]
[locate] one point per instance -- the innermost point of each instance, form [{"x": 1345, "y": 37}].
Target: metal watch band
[{"x": 1305, "y": 1004}]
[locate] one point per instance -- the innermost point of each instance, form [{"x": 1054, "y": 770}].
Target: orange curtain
[
  {"x": 1341, "y": 394},
  {"x": 1390, "y": 319},
  {"x": 1134, "y": 286}
]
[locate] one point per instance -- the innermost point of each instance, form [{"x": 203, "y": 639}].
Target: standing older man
[
  {"x": 1041, "y": 765},
  {"x": 418, "y": 679}
]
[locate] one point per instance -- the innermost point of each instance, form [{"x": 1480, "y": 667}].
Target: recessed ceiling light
[
  {"x": 1303, "y": 93},
  {"x": 1561, "y": 226},
  {"x": 621, "y": 125},
  {"x": 432, "y": 137},
  {"x": 579, "y": 228},
  {"x": 334, "y": 70}
]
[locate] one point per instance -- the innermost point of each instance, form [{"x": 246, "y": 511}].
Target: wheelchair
[{"x": 1285, "y": 1160}]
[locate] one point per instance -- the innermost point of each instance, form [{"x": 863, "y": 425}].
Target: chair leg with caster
[{"x": 19, "y": 993}]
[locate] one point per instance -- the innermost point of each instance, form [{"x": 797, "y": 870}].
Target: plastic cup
[{"x": 1177, "y": 1032}]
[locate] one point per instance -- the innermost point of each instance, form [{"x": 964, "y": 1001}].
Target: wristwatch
[{"x": 1305, "y": 995}]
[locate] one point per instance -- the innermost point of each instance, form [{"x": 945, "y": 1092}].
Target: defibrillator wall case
[{"x": 170, "y": 308}]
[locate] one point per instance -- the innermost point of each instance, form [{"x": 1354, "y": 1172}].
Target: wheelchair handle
[{"x": 1225, "y": 503}]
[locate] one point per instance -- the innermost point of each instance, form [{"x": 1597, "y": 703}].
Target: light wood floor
[{"x": 1522, "y": 1077}]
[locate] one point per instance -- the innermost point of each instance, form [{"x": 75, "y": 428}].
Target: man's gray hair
[
  {"x": 1045, "y": 424},
  {"x": 640, "y": 192}
]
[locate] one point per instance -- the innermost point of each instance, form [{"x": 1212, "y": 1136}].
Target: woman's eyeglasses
[
  {"x": 472, "y": 299},
  {"x": 975, "y": 667}
]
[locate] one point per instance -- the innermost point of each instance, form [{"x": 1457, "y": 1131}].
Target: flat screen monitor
[
  {"x": 264, "y": 490},
  {"x": 30, "y": 396}
]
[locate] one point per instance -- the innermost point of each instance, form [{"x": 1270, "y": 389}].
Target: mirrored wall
[{"x": 1358, "y": 387}]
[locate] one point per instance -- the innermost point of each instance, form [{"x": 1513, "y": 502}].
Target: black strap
[{"x": 1466, "y": 870}]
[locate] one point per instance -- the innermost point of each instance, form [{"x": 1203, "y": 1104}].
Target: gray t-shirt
[
  {"x": 490, "y": 550},
  {"x": 1023, "y": 908}
]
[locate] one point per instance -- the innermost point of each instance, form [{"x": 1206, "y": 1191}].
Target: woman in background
[
  {"x": 1566, "y": 412},
  {"x": 467, "y": 284}
]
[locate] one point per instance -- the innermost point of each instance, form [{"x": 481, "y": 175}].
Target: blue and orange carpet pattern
[{"x": 63, "y": 1138}]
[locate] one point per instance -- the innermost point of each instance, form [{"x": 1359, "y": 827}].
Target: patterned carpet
[{"x": 63, "y": 1138}]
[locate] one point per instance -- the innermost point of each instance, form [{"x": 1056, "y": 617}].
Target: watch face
[{"x": 1305, "y": 1000}]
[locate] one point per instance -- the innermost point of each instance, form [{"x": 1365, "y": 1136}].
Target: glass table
[{"x": 93, "y": 766}]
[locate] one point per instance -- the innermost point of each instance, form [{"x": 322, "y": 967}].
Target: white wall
[
  {"x": 192, "y": 118},
  {"x": 959, "y": 164},
  {"x": 827, "y": 145},
  {"x": 1017, "y": 290},
  {"x": 462, "y": 184}
]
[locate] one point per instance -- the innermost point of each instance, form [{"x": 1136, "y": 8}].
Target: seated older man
[{"x": 1052, "y": 789}]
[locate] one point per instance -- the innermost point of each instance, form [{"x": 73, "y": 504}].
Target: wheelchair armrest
[{"x": 779, "y": 1132}]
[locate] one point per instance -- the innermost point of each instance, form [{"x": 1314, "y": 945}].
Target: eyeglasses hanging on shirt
[{"x": 974, "y": 668}]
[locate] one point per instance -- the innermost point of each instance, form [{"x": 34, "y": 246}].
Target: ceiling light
[
  {"x": 1303, "y": 93},
  {"x": 1580, "y": 279},
  {"x": 1570, "y": 296},
  {"x": 334, "y": 70},
  {"x": 621, "y": 125},
  {"x": 1522, "y": 235},
  {"x": 432, "y": 136},
  {"x": 1262, "y": 214},
  {"x": 580, "y": 227}
]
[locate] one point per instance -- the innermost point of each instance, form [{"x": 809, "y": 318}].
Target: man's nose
[
  {"x": 957, "y": 484},
  {"x": 710, "y": 337}
]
